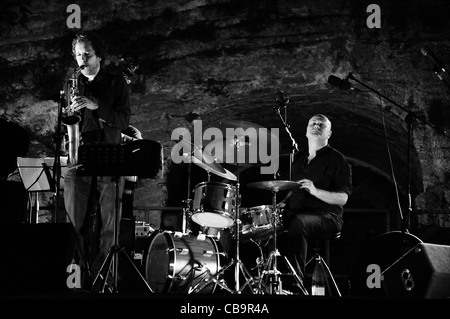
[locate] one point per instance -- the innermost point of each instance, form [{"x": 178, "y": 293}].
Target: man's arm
[{"x": 333, "y": 198}]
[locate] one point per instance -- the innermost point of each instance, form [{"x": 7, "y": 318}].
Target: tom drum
[{"x": 214, "y": 205}]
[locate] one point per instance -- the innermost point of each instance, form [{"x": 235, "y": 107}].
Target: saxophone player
[{"x": 102, "y": 102}]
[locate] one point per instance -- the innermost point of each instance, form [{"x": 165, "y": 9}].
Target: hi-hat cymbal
[
  {"x": 240, "y": 143},
  {"x": 275, "y": 185}
]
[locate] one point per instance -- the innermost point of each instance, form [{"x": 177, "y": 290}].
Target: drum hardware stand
[
  {"x": 275, "y": 284},
  {"x": 239, "y": 266},
  {"x": 187, "y": 211},
  {"x": 108, "y": 160},
  {"x": 210, "y": 279},
  {"x": 260, "y": 265},
  {"x": 189, "y": 201},
  {"x": 185, "y": 228}
]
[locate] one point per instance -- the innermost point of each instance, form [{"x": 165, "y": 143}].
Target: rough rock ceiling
[{"x": 225, "y": 60}]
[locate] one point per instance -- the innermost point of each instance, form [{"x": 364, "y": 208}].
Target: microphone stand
[
  {"x": 409, "y": 119},
  {"x": 442, "y": 75},
  {"x": 294, "y": 146},
  {"x": 57, "y": 162}
]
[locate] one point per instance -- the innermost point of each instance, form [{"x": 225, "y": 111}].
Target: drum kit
[{"x": 182, "y": 262}]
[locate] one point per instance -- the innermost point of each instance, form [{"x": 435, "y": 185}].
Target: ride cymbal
[{"x": 275, "y": 185}]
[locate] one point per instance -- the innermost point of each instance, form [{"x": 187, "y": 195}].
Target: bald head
[
  {"x": 322, "y": 118},
  {"x": 318, "y": 130}
]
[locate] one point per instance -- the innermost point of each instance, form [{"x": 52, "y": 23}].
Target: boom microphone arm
[{"x": 411, "y": 116}]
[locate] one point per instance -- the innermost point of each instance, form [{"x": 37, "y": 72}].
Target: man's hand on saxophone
[{"x": 78, "y": 102}]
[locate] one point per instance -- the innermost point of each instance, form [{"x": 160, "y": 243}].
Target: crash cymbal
[
  {"x": 275, "y": 185},
  {"x": 212, "y": 167},
  {"x": 227, "y": 175},
  {"x": 202, "y": 159},
  {"x": 240, "y": 142}
]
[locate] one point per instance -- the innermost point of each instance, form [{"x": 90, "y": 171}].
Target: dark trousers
[
  {"x": 84, "y": 197},
  {"x": 302, "y": 227}
]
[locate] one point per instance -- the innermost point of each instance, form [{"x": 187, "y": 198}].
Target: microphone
[
  {"x": 282, "y": 99},
  {"x": 342, "y": 84},
  {"x": 428, "y": 53}
]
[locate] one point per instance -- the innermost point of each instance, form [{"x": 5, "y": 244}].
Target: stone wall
[{"x": 216, "y": 60}]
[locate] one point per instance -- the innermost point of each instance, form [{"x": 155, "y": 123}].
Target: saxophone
[{"x": 72, "y": 120}]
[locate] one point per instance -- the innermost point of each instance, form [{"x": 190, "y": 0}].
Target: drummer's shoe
[
  {"x": 293, "y": 289},
  {"x": 294, "y": 286}
]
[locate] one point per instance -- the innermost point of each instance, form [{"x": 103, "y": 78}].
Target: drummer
[{"x": 316, "y": 207}]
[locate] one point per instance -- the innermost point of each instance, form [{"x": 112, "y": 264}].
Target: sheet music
[{"x": 33, "y": 175}]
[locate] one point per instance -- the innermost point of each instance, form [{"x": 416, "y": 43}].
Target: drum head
[
  {"x": 382, "y": 250},
  {"x": 215, "y": 220},
  {"x": 178, "y": 263},
  {"x": 215, "y": 184},
  {"x": 158, "y": 258}
]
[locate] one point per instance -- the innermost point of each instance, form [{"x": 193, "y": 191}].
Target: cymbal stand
[
  {"x": 187, "y": 210},
  {"x": 271, "y": 265},
  {"x": 239, "y": 266}
]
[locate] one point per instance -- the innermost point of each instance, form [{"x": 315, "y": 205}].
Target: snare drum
[
  {"x": 175, "y": 263},
  {"x": 214, "y": 205}
]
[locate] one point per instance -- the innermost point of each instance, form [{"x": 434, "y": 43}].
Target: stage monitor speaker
[
  {"x": 383, "y": 250},
  {"x": 421, "y": 273},
  {"x": 35, "y": 258}
]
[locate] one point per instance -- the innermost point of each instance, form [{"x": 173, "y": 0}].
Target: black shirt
[
  {"x": 112, "y": 94},
  {"x": 329, "y": 170}
]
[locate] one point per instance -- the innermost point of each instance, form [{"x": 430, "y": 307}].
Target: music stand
[
  {"x": 106, "y": 159},
  {"x": 37, "y": 176}
]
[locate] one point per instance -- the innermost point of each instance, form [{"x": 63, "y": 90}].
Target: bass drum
[
  {"x": 382, "y": 250},
  {"x": 177, "y": 263}
]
